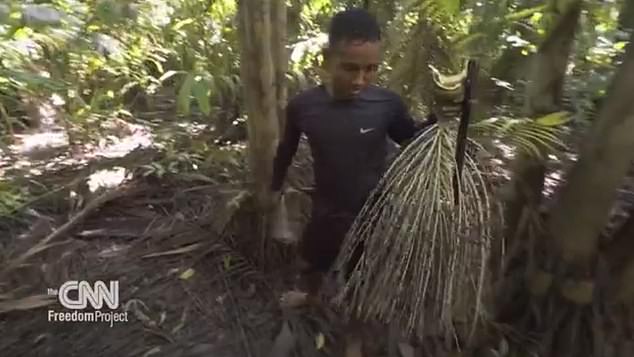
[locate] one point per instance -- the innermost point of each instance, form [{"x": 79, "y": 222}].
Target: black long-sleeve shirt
[{"x": 348, "y": 141}]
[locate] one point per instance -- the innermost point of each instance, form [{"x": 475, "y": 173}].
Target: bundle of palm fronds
[{"x": 424, "y": 253}]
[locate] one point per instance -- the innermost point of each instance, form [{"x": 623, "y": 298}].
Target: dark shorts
[{"x": 323, "y": 237}]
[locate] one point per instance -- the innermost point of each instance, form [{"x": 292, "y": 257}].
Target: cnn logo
[{"x": 95, "y": 295}]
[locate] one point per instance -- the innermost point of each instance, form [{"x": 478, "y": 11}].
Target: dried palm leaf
[{"x": 424, "y": 255}]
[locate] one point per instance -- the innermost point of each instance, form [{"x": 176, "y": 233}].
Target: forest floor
[{"x": 183, "y": 248}]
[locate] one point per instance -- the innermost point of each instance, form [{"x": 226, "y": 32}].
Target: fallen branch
[
  {"x": 65, "y": 228},
  {"x": 26, "y": 303},
  {"x": 183, "y": 250}
]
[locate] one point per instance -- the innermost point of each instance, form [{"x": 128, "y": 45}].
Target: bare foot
[{"x": 293, "y": 299}]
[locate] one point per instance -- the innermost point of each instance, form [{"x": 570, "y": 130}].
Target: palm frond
[
  {"x": 424, "y": 257},
  {"x": 538, "y": 137}
]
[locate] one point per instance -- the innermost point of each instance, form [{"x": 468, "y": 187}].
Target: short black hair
[{"x": 355, "y": 24}]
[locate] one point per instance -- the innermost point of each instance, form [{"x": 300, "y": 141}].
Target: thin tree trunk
[
  {"x": 279, "y": 20},
  {"x": 544, "y": 95},
  {"x": 583, "y": 208},
  {"x": 525, "y": 188},
  {"x": 258, "y": 73}
]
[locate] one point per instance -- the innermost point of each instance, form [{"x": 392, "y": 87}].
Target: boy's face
[{"x": 351, "y": 66}]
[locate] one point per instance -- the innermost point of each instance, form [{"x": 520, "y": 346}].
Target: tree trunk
[
  {"x": 523, "y": 203},
  {"x": 583, "y": 208},
  {"x": 279, "y": 21},
  {"x": 262, "y": 84},
  {"x": 544, "y": 94}
]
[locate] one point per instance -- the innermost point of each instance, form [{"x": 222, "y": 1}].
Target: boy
[{"x": 347, "y": 121}]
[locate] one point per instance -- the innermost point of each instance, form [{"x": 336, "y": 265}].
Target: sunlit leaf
[
  {"x": 95, "y": 63},
  {"x": 554, "y": 119},
  {"x": 182, "y": 23},
  {"x": 533, "y": 12},
  {"x": 23, "y": 33},
  {"x": 187, "y": 274},
  {"x": 620, "y": 45},
  {"x": 169, "y": 74}
]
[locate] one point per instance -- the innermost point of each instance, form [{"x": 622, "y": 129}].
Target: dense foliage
[{"x": 98, "y": 57}]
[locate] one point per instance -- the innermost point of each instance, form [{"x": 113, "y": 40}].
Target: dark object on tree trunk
[{"x": 469, "y": 83}]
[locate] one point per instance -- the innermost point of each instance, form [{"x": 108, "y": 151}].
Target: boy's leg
[
  {"x": 314, "y": 253},
  {"x": 319, "y": 248}
]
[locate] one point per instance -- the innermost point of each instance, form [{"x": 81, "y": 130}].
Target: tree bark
[
  {"x": 258, "y": 73},
  {"x": 583, "y": 208},
  {"x": 279, "y": 21}
]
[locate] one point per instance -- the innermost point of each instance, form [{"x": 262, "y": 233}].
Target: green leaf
[
  {"x": 182, "y": 23},
  {"x": 201, "y": 92},
  {"x": 451, "y": 6},
  {"x": 620, "y": 45},
  {"x": 184, "y": 93},
  {"x": 187, "y": 274},
  {"x": 23, "y": 33},
  {"x": 169, "y": 74},
  {"x": 554, "y": 119},
  {"x": 534, "y": 12},
  {"x": 158, "y": 65}
]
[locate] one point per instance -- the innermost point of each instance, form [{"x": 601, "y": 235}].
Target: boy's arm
[
  {"x": 286, "y": 149},
  {"x": 403, "y": 128}
]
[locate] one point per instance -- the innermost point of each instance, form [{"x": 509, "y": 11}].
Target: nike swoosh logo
[{"x": 365, "y": 131}]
